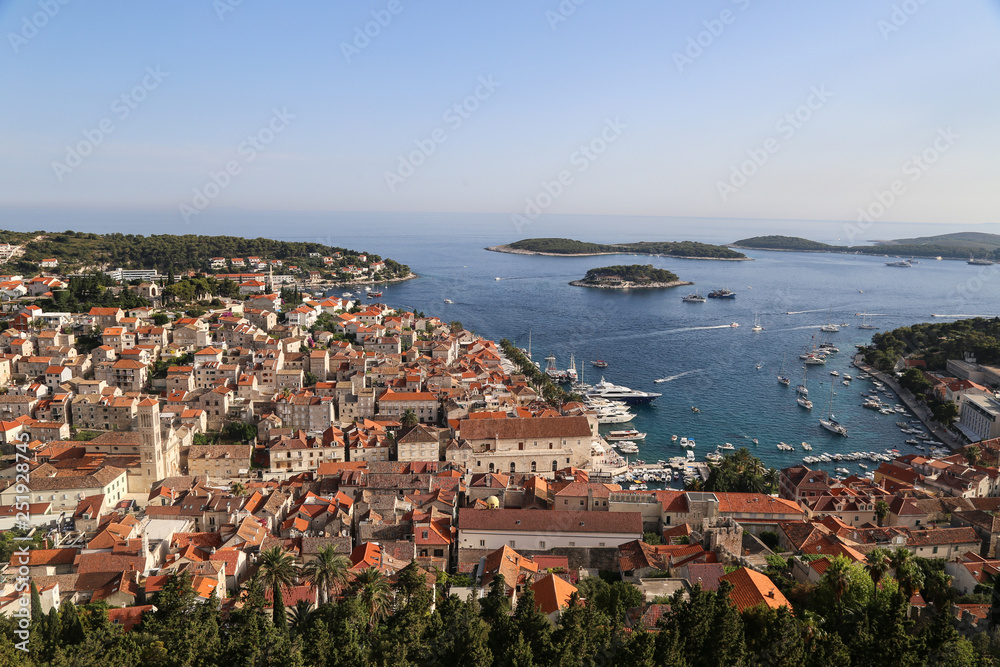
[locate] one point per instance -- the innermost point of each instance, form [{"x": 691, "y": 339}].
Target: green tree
[
  {"x": 409, "y": 419},
  {"x": 277, "y": 571},
  {"x": 881, "y": 511},
  {"x": 372, "y": 590},
  {"x": 973, "y": 455},
  {"x": 877, "y": 563},
  {"x": 327, "y": 572}
]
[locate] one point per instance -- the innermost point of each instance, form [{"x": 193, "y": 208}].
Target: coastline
[
  {"x": 628, "y": 286},
  {"x": 516, "y": 251}
]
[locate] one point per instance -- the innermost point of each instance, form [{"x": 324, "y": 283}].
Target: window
[
  {"x": 512, "y": 466},
  {"x": 572, "y": 544},
  {"x": 582, "y": 502},
  {"x": 555, "y": 466},
  {"x": 532, "y": 466},
  {"x": 439, "y": 553},
  {"x": 600, "y": 544},
  {"x": 482, "y": 543},
  {"x": 511, "y": 544},
  {"x": 935, "y": 550},
  {"x": 541, "y": 544}
]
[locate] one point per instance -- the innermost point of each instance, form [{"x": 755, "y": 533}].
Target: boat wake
[
  {"x": 683, "y": 329},
  {"x": 799, "y": 312},
  {"x": 807, "y": 326},
  {"x": 671, "y": 378}
]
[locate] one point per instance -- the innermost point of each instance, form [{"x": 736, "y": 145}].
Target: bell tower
[{"x": 151, "y": 448}]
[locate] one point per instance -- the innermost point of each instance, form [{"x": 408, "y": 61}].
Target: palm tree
[
  {"x": 838, "y": 577},
  {"x": 881, "y": 511},
  {"x": 908, "y": 575},
  {"x": 877, "y": 564},
  {"x": 278, "y": 570},
  {"x": 238, "y": 489},
  {"x": 410, "y": 419},
  {"x": 328, "y": 572},
  {"x": 299, "y": 616},
  {"x": 372, "y": 589}
]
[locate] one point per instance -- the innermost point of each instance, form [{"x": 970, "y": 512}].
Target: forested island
[
  {"x": 960, "y": 245},
  {"x": 937, "y": 342},
  {"x": 629, "y": 276},
  {"x": 83, "y": 252},
  {"x": 570, "y": 247}
]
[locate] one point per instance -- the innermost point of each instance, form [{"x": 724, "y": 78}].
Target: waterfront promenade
[{"x": 919, "y": 408}]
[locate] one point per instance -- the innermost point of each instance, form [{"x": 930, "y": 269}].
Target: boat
[
  {"x": 684, "y": 442},
  {"x": 628, "y": 447},
  {"x": 605, "y": 389},
  {"x": 722, "y": 294},
  {"x": 806, "y": 446},
  {"x": 782, "y": 378},
  {"x": 830, "y": 423},
  {"x": 497, "y": 278},
  {"x": 754, "y": 441},
  {"x": 785, "y": 447},
  {"x": 694, "y": 409},
  {"x": 756, "y": 323},
  {"x": 834, "y": 373},
  {"x": 979, "y": 262},
  {"x": 673, "y": 438},
  {"x": 802, "y": 392},
  {"x": 865, "y": 324},
  {"x": 727, "y": 447},
  {"x": 843, "y": 471},
  {"x": 694, "y": 298},
  {"x": 630, "y": 434},
  {"x": 830, "y": 328},
  {"x": 734, "y": 325},
  {"x": 863, "y": 466},
  {"x": 760, "y": 365},
  {"x": 847, "y": 377},
  {"x": 904, "y": 264},
  {"x": 658, "y": 381},
  {"x": 347, "y": 295},
  {"x": 448, "y": 301},
  {"x": 599, "y": 363}
]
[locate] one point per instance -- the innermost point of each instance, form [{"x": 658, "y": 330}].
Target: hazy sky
[{"x": 723, "y": 108}]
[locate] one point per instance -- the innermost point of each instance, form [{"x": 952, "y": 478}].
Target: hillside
[
  {"x": 776, "y": 242},
  {"x": 959, "y": 245},
  {"x": 636, "y": 273},
  {"x": 559, "y": 246},
  {"x": 177, "y": 253}
]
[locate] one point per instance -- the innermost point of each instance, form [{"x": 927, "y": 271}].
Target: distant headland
[
  {"x": 959, "y": 245},
  {"x": 557, "y": 247},
  {"x": 631, "y": 276}
]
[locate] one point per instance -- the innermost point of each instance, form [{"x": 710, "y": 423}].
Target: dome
[{"x": 493, "y": 503}]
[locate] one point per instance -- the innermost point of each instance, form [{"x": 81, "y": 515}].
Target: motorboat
[
  {"x": 694, "y": 298},
  {"x": 630, "y": 434},
  {"x": 605, "y": 389},
  {"x": 722, "y": 294}
]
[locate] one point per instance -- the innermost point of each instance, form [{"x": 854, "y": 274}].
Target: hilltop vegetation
[
  {"x": 558, "y": 246},
  {"x": 960, "y": 245},
  {"x": 937, "y": 342},
  {"x": 633, "y": 273},
  {"x": 777, "y": 242},
  {"x": 176, "y": 253}
]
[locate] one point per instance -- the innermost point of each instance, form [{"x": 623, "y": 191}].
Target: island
[
  {"x": 631, "y": 276},
  {"x": 558, "y": 247},
  {"x": 959, "y": 245}
]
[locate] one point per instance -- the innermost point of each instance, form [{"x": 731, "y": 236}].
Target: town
[{"x": 353, "y": 441}]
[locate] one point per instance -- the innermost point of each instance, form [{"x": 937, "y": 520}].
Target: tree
[
  {"x": 372, "y": 590},
  {"x": 409, "y": 419},
  {"x": 907, "y": 573},
  {"x": 877, "y": 563},
  {"x": 277, "y": 571},
  {"x": 327, "y": 572},
  {"x": 37, "y": 615},
  {"x": 881, "y": 511},
  {"x": 837, "y": 577},
  {"x": 973, "y": 455},
  {"x": 299, "y": 617}
]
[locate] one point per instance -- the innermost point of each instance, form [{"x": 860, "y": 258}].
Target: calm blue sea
[{"x": 645, "y": 335}]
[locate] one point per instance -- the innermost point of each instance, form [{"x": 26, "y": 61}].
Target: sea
[{"x": 728, "y": 374}]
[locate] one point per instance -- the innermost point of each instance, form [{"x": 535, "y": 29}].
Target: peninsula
[
  {"x": 558, "y": 247},
  {"x": 84, "y": 252},
  {"x": 632, "y": 276},
  {"x": 959, "y": 245}
]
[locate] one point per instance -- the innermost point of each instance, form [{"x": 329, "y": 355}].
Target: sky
[{"x": 712, "y": 108}]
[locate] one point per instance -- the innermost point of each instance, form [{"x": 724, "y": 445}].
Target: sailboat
[
  {"x": 756, "y": 323},
  {"x": 830, "y": 327},
  {"x": 802, "y": 393},
  {"x": 864, "y": 322},
  {"x": 782, "y": 378},
  {"x": 830, "y": 423}
]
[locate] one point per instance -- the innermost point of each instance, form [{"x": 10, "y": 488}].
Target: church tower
[{"x": 151, "y": 448}]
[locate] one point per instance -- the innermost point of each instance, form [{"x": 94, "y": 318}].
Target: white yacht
[
  {"x": 630, "y": 434},
  {"x": 756, "y": 323},
  {"x": 605, "y": 389}
]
